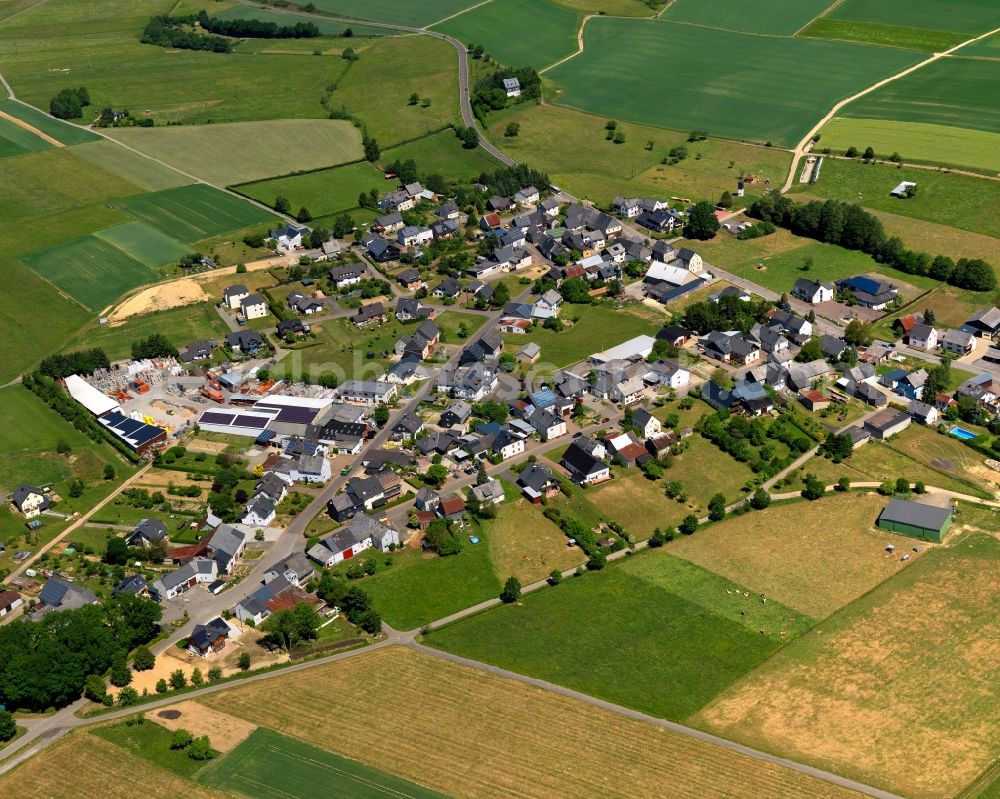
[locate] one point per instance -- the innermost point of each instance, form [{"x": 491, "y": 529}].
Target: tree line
[
  {"x": 78, "y": 362},
  {"x": 256, "y": 29},
  {"x": 69, "y": 103},
  {"x": 852, "y": 227},
  {"x": 166, "y": 31},
  {"x": 46, "y": 663}
]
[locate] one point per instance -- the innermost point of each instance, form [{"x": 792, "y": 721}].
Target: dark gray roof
[{"x": 902, "y": 511}]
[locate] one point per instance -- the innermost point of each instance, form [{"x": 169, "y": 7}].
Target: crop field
[
  {"x": 60, "y": 131},
  {"x": 963, "y": 16},
  {"x": 897, "y": 690},
  {"x": 326, "y": 27},
  {"x": 239, "y": 152},
  {"x": 325, "y": 192},
  {"x": 81, "y": 764},
  {"x": 816, "y": 567},
  {"x": 180, "y": 325},
  {"x": 677, "y": 637},
  {"x": 947, "y": 199},
  {"x": 575, "y": 153},
  {"x": 144, "y": 243},
  {"x": 400, "y": 12},
  {"x": 737, "y": 105},
  {"x": 883, "y": 34},
  {"x": 385, "y": 696},
  {"x": 144, "y": 173},
  {"x": 90, "y": 270},
  {"x": 782, "y": 18},
  {"x": 525, "y": 544},
  {"x": 545, "y": 32},
  {"x": 953, "y": 92},
  {"x": 269, "y": 764},
  {"x": 616, "y": 8},
  {"x": 937, "y": 144},
  {"x": 15, "y": 140},
  {"x": 190, "y": 213}
]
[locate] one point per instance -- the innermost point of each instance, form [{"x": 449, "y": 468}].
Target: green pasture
[
  {"x": 90, "y": 270},
  {"x": 143, "y": 172},
  {"x": 323, "y": 192},
  {"x": 15, "y": 140},
  {"x": 962, "y": 16},
  {"x": 399, "y": 12},
  {"x": 778, "y": 17},
  {"x": 239, "y": 152},
  {"x": 442, "y": 153},
  {"x": 518, "y": 33},
  {"x": 190, "y": 213},
  {"x": 268, "y": 764},
  {"x": 327, "y": 27},
  {"x": 960, "y": 201},
  {"x": 958, "y": 147},
  {"x": 60, "y": 131},
  {"x": 953, "y": 92},
  {"x": 651, "y": 632},
  {"x": 145, "y": 244},
  {"x": 772, "y": 96},
  {"x": 883, "y": 34}
]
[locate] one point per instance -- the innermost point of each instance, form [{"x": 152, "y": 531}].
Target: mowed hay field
[
  {"x": 898, "y": 690},
  {"x": 16, "y": 140},
  {"x": 144, "y": 173},
  {"x": 917, "y": 141},
  {"x": 525, "y": 544},
  {"x": 242, "y": 151},
  {"x": 814, "y": 559},
  {"x": 269, "y": 764},
  {"x": 518, "y": 33},
  {"x": 83, "y": 765},
  {"x": 652, "y": 632},
  {"x": 191, "y": 213},
  {"x": 752, "y": 16},
  {"x": 738, "y": 104},
  {"x": 470, "y": 734}
]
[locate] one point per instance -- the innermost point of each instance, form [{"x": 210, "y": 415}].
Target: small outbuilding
[{"x": 916, "y": 520}]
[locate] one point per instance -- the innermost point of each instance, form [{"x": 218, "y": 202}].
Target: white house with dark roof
[
  {"x": 253, "y": 306},
  {"x": 29, "y": 501},
  {"x": 233, "y": 295},
  {"x": 512, "y": 86}
]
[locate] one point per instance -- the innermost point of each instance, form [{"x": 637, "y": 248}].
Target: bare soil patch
[{"x": 226, "y": 732}]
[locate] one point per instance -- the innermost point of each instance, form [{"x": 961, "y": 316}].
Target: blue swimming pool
[{"x": 962, "y": 433}]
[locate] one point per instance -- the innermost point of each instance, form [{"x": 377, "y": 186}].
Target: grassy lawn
[
  {"x": 416, "y": 590},
  {"x": 599, "y": 328},
  {"x": 151, "y": 742},
  {"x": 946, "y": 453},
  {"x": 917, "y": 141},
  {"x": 814, "y": 568},
  {"x": 442, "y": 153},
  {"x": 450, "y": 321},
  {"x": 180, "y": 325},
  {"x": 525, "y": 544},
  {"x": 952, "y": 308},
  {"x": 906, "y": 662},
  {"x": 545, "y": 31},
  {"x": 571, "y": 146},
  {"x": 243, "y": 151},
  {"x": 749, "y": 108},
  {"x": 346, "y": 350},
  {"x": 921, "y": 235},
  {"x": 677, "y": 636},
  {"x": 325, "y": 192},
  {"x": 943, "y": 198}
]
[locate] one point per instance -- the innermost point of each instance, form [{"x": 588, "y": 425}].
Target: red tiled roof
[
  {"x": 289, "y": 598},
  {"x": 8, "y": 598},
  {"x": 812, "y": 395},
  {"x": 453, "y": 505},
  {"x": 631, "y": 451}
]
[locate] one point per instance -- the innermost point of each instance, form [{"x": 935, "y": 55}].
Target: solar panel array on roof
[
  {"x": 543, "y": 398},
  {"x": 865, "y": 284},
  {"x": 133, "y": 431},
  {"x": 216, "y": 417},
  {"x": 256, "y": 422},
  {"x": 295, "y": 415}
]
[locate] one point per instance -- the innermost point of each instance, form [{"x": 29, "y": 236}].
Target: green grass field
[
  {"x": 60, "y": 131},
  {"x": 327, "y": 27},
  {"x": 144, "y": 173},
  {"x": 180, "y": 325},
  {"x": 617, "y": 8},
  {"x": 652, "y": 632},
  {"x": 751, "y": 16},
  {"x": 449, "y": 322},
  {"x": 572, "y": 148},
  {"x": 345, "y": 350},
  {"x": 907, "y": 666},
  {"x": 947, "y": 199},
  {"x": 144, "y": 243},
  {"x": 190, "y": 213},
  {"x": 737, "y": 104},
  {"x": 323, "y": 193},
  {"x": 883, "y": 34},
  {"x": 600, "y": 327},
  {"x": 936, "y": 144},
  {"x": 151, "y": 742},
  {"x": 90, "y": 270},
  {"x": 953, "y": 92},
  {"x": 518, "y": 33},
  {"x": 268, "y": 764},
  {"x": 244, "y": 151},
  {"x": 443, "y": 154},
  {"x": 400, "y": 12},
  {"x": 15, "y": 140},
  {"x": 963, "y": 16}
]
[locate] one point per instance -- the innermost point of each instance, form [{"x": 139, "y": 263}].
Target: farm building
[{"x": 915, "y": 519}]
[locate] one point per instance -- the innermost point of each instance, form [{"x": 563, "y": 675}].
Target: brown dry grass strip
[
  {"x": 31, "y": 129},
  {"x": 469, "y": 734}
]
